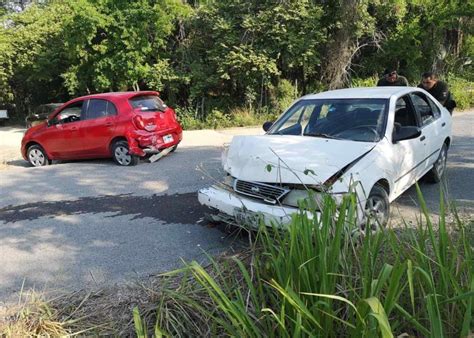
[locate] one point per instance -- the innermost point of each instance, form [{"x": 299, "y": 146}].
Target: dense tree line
[{"x": 222, "y": 54}]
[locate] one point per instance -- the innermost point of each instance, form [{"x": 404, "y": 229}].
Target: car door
[
  {"x": 431, "y": 126},
  {"x": 62, "y": 139},
  {"x": 408, "y": 155},
  {"x": 98, "y": 128}
]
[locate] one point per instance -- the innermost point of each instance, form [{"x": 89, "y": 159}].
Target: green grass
[{"x": 323, "y": 278}]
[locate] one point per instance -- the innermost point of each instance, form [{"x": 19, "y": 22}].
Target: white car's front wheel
[{"x": 377, "y": 209}]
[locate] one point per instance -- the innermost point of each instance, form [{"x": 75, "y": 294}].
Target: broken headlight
[
  {"x": 228, "y": 182},
  {"x": 309, "y": 199}
]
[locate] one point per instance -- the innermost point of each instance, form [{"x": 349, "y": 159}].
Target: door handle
[
  {"x": 73, "y": 128},
  {"x": 422, "y": 138},
  {"x": 443, "y": 124},
  {"x": 109, "y": 124}
]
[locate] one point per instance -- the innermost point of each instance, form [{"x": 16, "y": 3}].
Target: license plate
[
  {"x": 168, "y": 138},
  {"x": 247, "y": 218}
]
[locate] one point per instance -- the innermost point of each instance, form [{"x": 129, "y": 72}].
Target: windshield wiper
[{"x": 322, "y": 135}]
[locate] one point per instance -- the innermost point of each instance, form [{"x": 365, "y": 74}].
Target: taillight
[{"x": 138, "y": 122}]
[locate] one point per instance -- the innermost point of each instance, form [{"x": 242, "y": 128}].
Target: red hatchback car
[{"x": 124, "y": 126}]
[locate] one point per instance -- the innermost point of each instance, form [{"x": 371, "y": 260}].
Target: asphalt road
[{"x": 91, "y": 223}]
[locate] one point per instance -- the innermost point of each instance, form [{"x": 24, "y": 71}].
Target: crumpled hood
[{"x": 290, "y": 159}]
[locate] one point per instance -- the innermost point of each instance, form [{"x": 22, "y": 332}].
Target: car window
[
  {"x": 423, "y": 108},
  {"x": 405, "y": 116},
  {"x": 96, "y": 109},
  {"x": 299, "y": 119},
  {"x": 71, "y": 113},
  {"x": 111, "y": 110},
  {"x": 146, "y": 103},
  {"x": 434, "y": 108},
  {"x": 349, "y": 119}
]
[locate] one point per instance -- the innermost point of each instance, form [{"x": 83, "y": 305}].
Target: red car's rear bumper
[{"x": 142, "y": 142}]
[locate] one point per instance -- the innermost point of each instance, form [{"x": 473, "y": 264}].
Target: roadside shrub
[
  {"x": 367, "y": 82},
  {"x": 187, "y": 118},
  {"x": 462, "y": 91},
  {"x": 217, "y": 119}
]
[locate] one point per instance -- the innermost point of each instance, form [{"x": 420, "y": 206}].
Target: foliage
[
  {"x": 217, "y": 56},
  {"x": 321, "y": 278},
  {"x": 462, "y": 92}
]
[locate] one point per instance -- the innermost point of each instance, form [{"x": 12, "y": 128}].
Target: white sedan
[{"x": 376, "y": 142}]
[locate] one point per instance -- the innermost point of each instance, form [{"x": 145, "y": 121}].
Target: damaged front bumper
[
  {"x": 245, "y": 211},
  {"x": 142, "y": 142}
]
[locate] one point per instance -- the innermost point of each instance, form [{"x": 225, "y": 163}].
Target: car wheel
[
  {"x": 121, "y": 154},
  {"x": 439, "y": 167},
  {"x": 377, "y": 209},
  {"x": 37, "y": 156},
  {"x": 173, "y": 149}
]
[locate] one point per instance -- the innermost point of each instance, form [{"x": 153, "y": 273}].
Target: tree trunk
[{"x": 341, "y": 46}]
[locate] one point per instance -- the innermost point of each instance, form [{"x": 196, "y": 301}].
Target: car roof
[
  {"x": 117, "y": 95},
  {"x": 363, "y": 93}
]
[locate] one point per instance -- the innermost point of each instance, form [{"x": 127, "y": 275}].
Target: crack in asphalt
[{"x": 178, "y": 208}]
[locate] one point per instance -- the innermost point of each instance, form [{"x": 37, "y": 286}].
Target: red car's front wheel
[{"x": 37, "y": 156}]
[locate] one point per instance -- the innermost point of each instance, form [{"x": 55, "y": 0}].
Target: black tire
[
  {"x": 377, "y": 209},
  {"x": 121, "y": 155},
  {"x": 37, "y": 156},
  {"x": 439, "y": 167},
  {"x": 173, "y": 149}
]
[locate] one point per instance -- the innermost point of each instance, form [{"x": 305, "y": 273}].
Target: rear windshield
[{"x": 147, "y": 103}]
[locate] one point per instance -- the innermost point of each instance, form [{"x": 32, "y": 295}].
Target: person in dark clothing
[
  {"x": 391, "y": 78},
  {"x": 438, "y": 89}
]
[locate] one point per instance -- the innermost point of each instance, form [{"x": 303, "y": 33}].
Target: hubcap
[
  {"x": 36, "y": 157},
  {"x": 441, "y": 163},
  {"x": 122, "y": 155},
  {"x": 376, "y": 213}
]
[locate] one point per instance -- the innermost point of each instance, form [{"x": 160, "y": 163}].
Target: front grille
[{"x": 268, "y": 193}]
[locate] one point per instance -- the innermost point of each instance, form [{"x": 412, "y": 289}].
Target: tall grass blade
[
  {"x": 140, "y": 327},
  {"x": 378, "y": 313}
]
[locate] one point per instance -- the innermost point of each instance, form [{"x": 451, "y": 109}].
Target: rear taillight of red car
[{"x": 138, "y": 122}]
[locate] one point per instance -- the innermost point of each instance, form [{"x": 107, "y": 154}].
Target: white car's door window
[
  {"x": 423, "y": 108},
  {"x": 405, "y": 116}
]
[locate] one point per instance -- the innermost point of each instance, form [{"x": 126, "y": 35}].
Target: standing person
[
  {"x": 438, "y": 89},
  {"x": 391, "y": 78}
]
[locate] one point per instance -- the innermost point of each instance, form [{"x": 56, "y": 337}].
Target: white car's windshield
[{"x": 347, "y": 119}]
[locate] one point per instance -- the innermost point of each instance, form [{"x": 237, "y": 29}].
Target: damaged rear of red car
[{"x": 124, "y": 126}]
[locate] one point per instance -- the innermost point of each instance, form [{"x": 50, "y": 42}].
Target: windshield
[{"x": 346, "y": 119}]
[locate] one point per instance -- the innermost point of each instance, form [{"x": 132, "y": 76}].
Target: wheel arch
[
  {"x": 384, "y": 184},
  {"x": 32, "y": 143},
  {"x": 116, "y": 139},
  {"x": 447, "y": 141}
]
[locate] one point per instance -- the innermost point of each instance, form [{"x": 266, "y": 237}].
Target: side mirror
[
  {"x": 405, "y": 133},
  {"x": 267, "y": 125}
]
